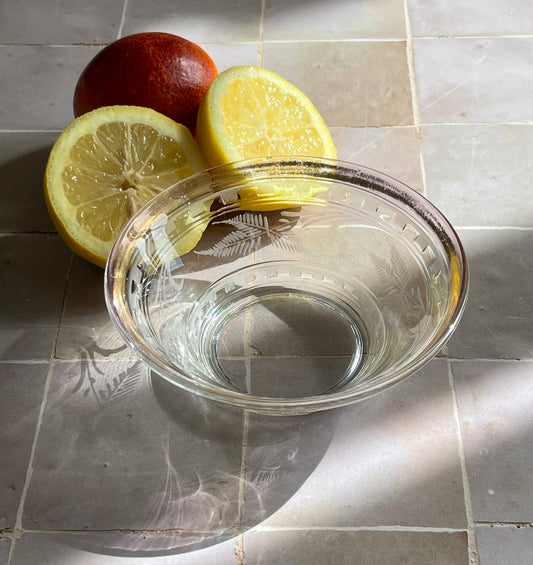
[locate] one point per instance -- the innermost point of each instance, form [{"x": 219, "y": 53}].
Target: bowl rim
[{"x": 344, "y": 171}]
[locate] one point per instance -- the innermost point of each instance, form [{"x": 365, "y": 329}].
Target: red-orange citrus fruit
[{"x": 156, "y": 70}]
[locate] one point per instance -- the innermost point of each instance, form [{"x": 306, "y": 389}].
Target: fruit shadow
[{"x": 22, "y": 207}]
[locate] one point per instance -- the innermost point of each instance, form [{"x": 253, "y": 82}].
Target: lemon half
[
  {"x": 252, "y": 112},
  {"x": 106, "y": 165}
]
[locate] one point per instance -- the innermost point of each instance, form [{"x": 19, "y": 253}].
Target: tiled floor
[{"x": 103, "y": 463}]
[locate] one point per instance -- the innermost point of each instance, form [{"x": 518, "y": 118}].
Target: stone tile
[
  {"x": 305, "y": 327},
  {"x": 33, "y": 272},
  {"x": 49, "y": 22},
  {"x": 23, "y": 158},
  {"x": 495, "y": 410},
  {"x": 227, "y": 55},
  {"x": 351, "y": 84},
  {"x": 21, "y": 395},
  {"x": 296, "y": 376},
  {"x": 509, "y": 545},
  {"x": 468, "y": 165},
  {"x": 39, "y": 83},
  {"x": 5, "y": 548},
  {"x": 207, "y": 21},
  {"x": 110, "y": 548},
  {"x": 317, "y": 547},
  {"x": 339, "y": 20},
  {"x": 121, "y": 449},
  {"x": 490, "y": 17},
  {"x": 498, "y": 319},
  {"x": 86, "y": 328},
  {"x": 393, "y": 151},
  {"x": 281, "y": 455},
  {"x": 473, "y": 79},
  {"x": 392, "y": 460}
]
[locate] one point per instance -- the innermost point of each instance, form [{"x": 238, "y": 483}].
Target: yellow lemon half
[
  {"x": 251, "y": 112},
  {"x": 106, "y": 165}
]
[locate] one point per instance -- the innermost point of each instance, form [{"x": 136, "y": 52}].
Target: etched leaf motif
[
  {"x": 251, "y": 229},
  {"x": 397, "y": 281}
]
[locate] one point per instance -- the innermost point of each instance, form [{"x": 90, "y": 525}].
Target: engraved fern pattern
[
  {"x": 251, "y": 231},
  {"x": 397, "y": 283}
]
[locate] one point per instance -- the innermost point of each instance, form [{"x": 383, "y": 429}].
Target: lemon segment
[
  {"x": 106, "y": 165},
  {"x": 251, "y": 112}
]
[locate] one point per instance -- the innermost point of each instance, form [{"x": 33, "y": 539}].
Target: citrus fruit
[
  {"x": 252, "y": 112},
  {"x": 106, "y": 165},
  {"x": 157, "y": 70}
]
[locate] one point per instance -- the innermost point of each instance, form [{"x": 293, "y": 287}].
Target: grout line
[
  {"x": 419, "y": 529},
  {"x": 17, "y": 533},
  {"x": 487, "y": 124},
  {"x": 24, "y": 361},
  {"x": 381, "y": 126},
  {"x": 341, "y": 40},
  {"x": 500, "y": 524},
  {"x": 264, "y": 528},
  {"x": 243, "y": 358},
  {"x": 53, "y": 45},
  {"x": 31, "y": 130},
  {"x": 308, "y": 40},
  {"x": 495, "y": 36},
  {"x": 239, "y": 541},
  {"x": 122, "y": 19},
  {"x": 487, "y": 359},
  {"x": 261, "y": 33},
  {"x": 473, "y": 556},
  {"x": 29, "y": 473},
  {"x": 414, "y": 98},
  {"x": 28, "y": 233},
  {"x": 68, "y": 277},
  {"x": 495, "y": 228}
]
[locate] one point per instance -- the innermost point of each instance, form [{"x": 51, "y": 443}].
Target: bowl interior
[{"x": 310, "y": 284}]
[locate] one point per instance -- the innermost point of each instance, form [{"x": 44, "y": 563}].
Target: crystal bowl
[{"x": 287, "y": 286}]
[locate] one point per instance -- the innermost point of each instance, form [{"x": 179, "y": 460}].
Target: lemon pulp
[
  {"x": 251, "y": 112},
  {"x": 109, "y": 163}
]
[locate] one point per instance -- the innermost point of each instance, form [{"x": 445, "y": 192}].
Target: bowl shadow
[{"x": 225, "y": 470}]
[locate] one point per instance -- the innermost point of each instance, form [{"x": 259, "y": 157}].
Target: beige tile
[
  {"x": 38, "y": 83},
  {"x": 474, "y": 79},
  {"x": 509, "y": 545},
  {"x": 480, "y": 174},
  {"x": 498, "y": 319},
  {"x": 53, "y": 22},
  {"x": 486, "y": 17},
  {"x": 393, "y": 151},
  {"x": 126, "y": 548},
  {"x": 21, "y": 395},
  {"x": 23, "y": 159},
  {"x": 495, "y": 409},
  {"x": 5, "y": 548},
  {"x": 381, "y": 19},
  {"x": 227, "y": 55},
  {"x": 349, "y": 547},
  {"x": 122, "y": 449},
  {"x": 202, "y": 22},
  {"x": 351, "y": 84},
  {"x": 392, "y": 460},
  {"x": 33, "y": 270},
  {"x": 87, "y": 331}
]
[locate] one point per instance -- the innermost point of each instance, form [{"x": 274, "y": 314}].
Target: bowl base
[{"x": 280, "y": 330}]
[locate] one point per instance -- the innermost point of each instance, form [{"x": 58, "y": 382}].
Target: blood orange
[{"x": 157, "y": 70}]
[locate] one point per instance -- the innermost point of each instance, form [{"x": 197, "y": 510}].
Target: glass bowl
[{"x": 287, "y": 286}]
